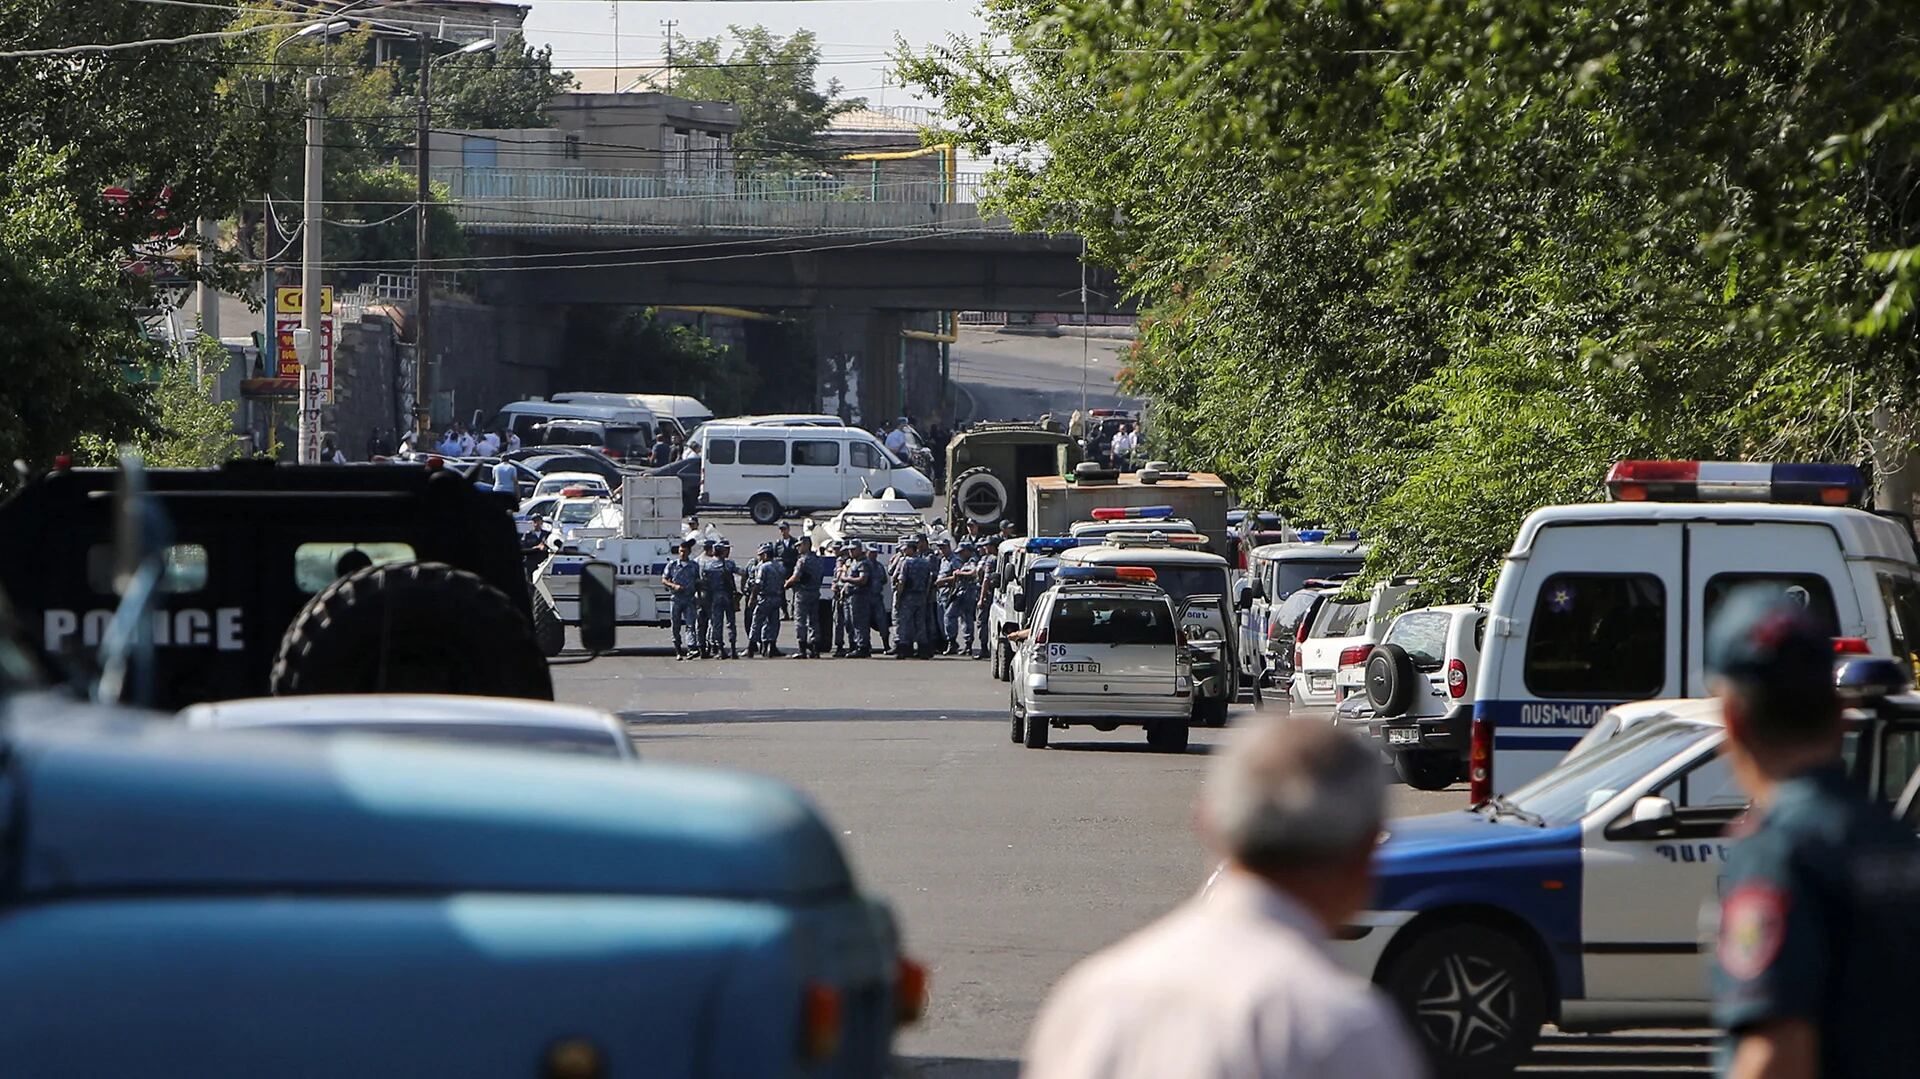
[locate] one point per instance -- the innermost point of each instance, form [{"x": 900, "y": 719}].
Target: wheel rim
[{"x": 1467, "y": 1005}]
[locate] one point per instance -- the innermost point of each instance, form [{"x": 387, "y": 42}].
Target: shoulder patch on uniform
[{"x": 1753, "y": 924}]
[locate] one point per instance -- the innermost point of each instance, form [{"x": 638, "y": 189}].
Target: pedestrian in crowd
[
  {"x": 506, "y": 478},
  {"x": 1124, "y": 443},
  {"x": 680, "y": 579},
  {"x": 764, "y": 586},
  {"x": 986, "y": 580},
  {"x": 829, "y": 556},
  {"x": 693, "y": 450},
  {"x": 805, "y": 583},
  {"x": 722, "y": 575},
  {"x": 877, "y": 619},
  {"x": 703, "y": 600},
  {"x": 409, "y": 442},
  {"x": 449, "y": 445},
  {"x": 912, "y": 578},
  {"x": 938, "y": 440},
  {"x": 1238, "y": 980},
  {"x": 513, "y": 442},
  {"x": 465, "y": 438},
  {"x": 488, "y": 445},
  {"x": 330, "y": 454},
  {"x": 897, "y": 439},
  {"x": 1819, "y": 904},
  {"x": 535, "y": 537},
  {"x": 661, "y": 454},
  {"x": 676, "y": 447},
  {"x": 1077, "y": 426},
  {"x": 837, "y": 593},
  {"x": 788, "y": 552}
]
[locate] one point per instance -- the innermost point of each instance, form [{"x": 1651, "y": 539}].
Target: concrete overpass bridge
[{"x": 873, "y": 264}]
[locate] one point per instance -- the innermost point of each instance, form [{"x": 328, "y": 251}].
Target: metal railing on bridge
[{"x": 560, "y": 200}]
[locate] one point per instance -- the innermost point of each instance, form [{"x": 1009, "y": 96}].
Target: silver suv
[{"x": 1103, "y": 649}]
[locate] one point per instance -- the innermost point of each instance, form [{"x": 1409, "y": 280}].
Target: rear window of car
[
  {"x": 1290, "y": 574},
  {"x": 1810, "y": 591},
  {"x": 1598, "y": 636},
  {"x": 1340, "y": 618},
  {"x": 1110, "y": 621},
  {"x": 763, "y": 451},
  {"x": 1424, "y": 635}
]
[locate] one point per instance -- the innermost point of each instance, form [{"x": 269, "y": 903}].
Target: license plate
[
  {"x": 1397, "y": 736},
  {"x": 1077, "y": 668},
  {"x": 1320, "y": 681}
]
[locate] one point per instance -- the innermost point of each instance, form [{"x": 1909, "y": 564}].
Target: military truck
[
  {"x": 1054, "y": 502},
  {"x": 989, "y": 464},
  {"x": 284, "y": 579}
]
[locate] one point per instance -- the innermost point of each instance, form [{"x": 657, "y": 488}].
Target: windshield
[
  {"x": 1294, "y": 572},
  {"x": 1110, "y": 621},
  {"x": 1576, "y": 787},
  {"x": 1340, "y": 618},
  {"x": 1180, "y": 582},
  {"x": 577, "y": 513}
]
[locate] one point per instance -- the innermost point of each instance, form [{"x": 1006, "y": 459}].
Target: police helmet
[{"x": 766, "y": 548}]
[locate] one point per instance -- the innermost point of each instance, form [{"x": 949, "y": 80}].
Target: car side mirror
[
  {"x": 1650, "y": 817},
  {"x": 598, "y": 582},
  {"x": 1243, "y": 596},
  {"x": 1019, "y": 603}
]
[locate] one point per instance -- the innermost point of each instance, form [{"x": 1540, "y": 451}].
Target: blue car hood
[
  {"x": 120, "y": 805},
  {"x": 1417, "y": 843}
]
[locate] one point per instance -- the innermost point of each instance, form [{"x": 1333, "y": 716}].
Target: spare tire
[
  {"x": 978, "y": 495},
  {"x": 1391, "y": 679},
  {"x": 417, "y": 627}
]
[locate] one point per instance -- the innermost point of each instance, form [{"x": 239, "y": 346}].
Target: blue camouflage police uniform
[
  {"x": 962, "y": 595},
  {"x": 805, "y": 583},
  {"x": 721, "y": 581},
  {"x": 768, "y": 577},
  {"x": 1819, "y": 918},
  {"x": 680, "y": 579},
  {"x": 858, "y": 600},
  {"x": 912, "y": 591}
]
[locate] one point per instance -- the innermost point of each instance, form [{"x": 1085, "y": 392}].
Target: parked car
[
  {"x": 1420, "y": 681},
  {"x": 581, "y": 483},
  {"x": 502, "y": 722},
  {"x": 769, "y": 470},
  {"x": 1341, "y": 634}
]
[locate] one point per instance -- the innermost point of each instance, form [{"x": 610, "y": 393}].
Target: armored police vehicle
[
  {"x": 637, "y": 539},
  {"x": 285, "y": 579},
  {"x": 879, "y": 522},
  {"x": 988, "y": 465},
  {"x": 1606, "y": 603}
]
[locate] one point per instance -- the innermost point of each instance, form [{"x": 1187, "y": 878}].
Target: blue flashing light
[
  {"x": 1053, "y": 543},
  {"x": 1831, "y": 484},
  {"x": 1312, "y": 535}
]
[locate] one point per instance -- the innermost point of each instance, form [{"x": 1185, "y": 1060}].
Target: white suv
[
  {"x": 1420, "y": 682},
  {"x": 1103, "y": 649},
  {"x": 1327, "y": 661}
]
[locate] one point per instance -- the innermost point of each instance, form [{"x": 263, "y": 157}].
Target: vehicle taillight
[
  {"x": 611, "y": 452},
  {"x": 1300, "y": 632},
  {"x": 1480, "y": 762},
  {"x": 1456, "y": 679},
  {"x": 1355, "y": 656},
  {"x": 1850, "y": 646},
  {"x": 909, "y": 992},
  {"x": 1275, "y": 631},
  {"x": 1040, "y": 636},
  {"x": 820, "y": 1021},
  {"x": 1298, "y": 662}
]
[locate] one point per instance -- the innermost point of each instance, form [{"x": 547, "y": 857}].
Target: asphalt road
[
  {"x": 1005, "y": 865},
  {"x": 1005, "y": 376}
]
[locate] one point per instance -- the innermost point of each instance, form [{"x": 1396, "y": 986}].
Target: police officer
[
  {"x": 912, "y": 591},
  {"x": 829, "y": 556},
  {"x": 764, "y": 584},
  {"x": 680, "y": 579},
  {"x": 1818, "y": 934},
  {"x": 805, "y": 582},
  {"x": 703, "y": 600},
  {"x": 876, "y": 578},
  {"x": 855, "y": 617},
  {"x": 722, "y": 576},
  {"x": 837, "y": 587},
  {"x": 943, "y": 564},
  {"x": 965, "y": 596}
]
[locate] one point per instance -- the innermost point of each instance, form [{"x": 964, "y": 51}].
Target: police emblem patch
[
  {"x": 1753, "y": 922},
  {"x": 1560, "y": 600}
]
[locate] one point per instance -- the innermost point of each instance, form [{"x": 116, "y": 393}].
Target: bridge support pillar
[{"x": 869, "y": 373}]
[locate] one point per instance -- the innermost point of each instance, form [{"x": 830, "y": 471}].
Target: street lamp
[{"x": 422, "y": 243}]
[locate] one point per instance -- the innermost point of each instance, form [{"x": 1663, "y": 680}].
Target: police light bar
[
  {"x": 1154, "y": 539},
  {"x": 1735, "y": 481},
  {"x": 1052, "y": 543},
  {"x": 1129, "y": 513},
  {"x": 1069, "y": 574}
]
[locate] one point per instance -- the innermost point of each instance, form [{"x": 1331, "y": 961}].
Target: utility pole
[
  {"x": 616, "y": 46},
  {"x": 422, "y": 248},
  {"x": 310, "y": 255},
  {"x": 669, "y": 24}
]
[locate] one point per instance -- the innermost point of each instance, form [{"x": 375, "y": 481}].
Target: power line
[{"x": 121, "y": 46}]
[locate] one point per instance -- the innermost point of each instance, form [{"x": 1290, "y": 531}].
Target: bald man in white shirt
[{"x": 1238, "y": 982}]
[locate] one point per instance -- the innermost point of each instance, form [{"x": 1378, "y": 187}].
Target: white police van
[
  {"x": 1023, "y": 570},
  {"x": 1607, "y": 603}
]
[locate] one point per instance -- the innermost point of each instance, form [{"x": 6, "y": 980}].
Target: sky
[{"x": 854, "y": 35}]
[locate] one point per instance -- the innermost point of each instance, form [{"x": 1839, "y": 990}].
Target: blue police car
[{"x": 1576, "y": 899}]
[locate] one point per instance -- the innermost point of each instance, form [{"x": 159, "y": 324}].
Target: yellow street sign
[{"x": 286, "y": 301}]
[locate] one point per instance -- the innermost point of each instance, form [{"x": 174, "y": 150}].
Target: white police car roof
[
  {"x": 1281, "y": 552},
  {"x": 1101, "y": 554},
  {"x": 1861, "y": 534}
]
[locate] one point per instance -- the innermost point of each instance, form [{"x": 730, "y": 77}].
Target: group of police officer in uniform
[{"x": 935, "y": 586}]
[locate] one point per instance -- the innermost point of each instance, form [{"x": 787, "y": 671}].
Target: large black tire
[
  {"x": 1005, "y": 673},
  {"x": 1168, "y": 736},
  {"x": 764, "y": 509},
  {"x": 998, "y": 658},
  {"x": 1019, "y": 721},
  {"x": 977, "y": 495},
  {"x": 548, "y": 631},
  {"x": 1036, "y": 733},
  {"x": 1391, "y": 679},
  {"x": 1474, "y": 997},
  {"x": 419, "y": 627},
  {"x": 1428, "y": 771}
]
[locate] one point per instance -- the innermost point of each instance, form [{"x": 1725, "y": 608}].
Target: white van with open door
[
  {"x": 769, "y": 470},
  {"x": 1612, "y": 602}
]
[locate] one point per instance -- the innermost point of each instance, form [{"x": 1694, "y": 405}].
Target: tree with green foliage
[
  {"x": 1421, "y": 268},
  {"x": 511, "y": 86},
  {"x": 635, "y": 350},
  {"x": 190, "y": 429},
  {"x": 774, "y": 83}
]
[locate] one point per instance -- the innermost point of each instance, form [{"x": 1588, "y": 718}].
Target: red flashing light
[
  {"x": 1456, "y": 679},
  {"x": 573, "y": 492},
  {"x": 1851, "y": 646},
  {"x": 436, "y": 463},
  {"x": 1355, "y": 656},
  {"x": 1135, "y": 573},
  {"x": 62, "y": 462}
]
